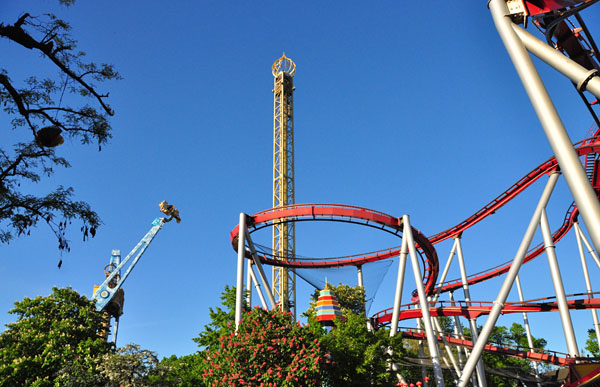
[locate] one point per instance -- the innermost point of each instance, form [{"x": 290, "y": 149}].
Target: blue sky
[{"x": 400, "y": 107}]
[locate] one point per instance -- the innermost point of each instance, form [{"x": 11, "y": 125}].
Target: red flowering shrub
[{"x": 269, "y": 349}]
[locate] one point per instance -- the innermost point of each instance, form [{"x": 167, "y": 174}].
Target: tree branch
[{"x": 18, "y": 35}]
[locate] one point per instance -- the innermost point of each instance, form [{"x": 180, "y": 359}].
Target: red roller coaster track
[
  {"x": 391, "y": 224},
  {"x": 474, "y": 309}
]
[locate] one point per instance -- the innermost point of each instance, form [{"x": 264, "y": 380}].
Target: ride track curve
[{"x": 393, "y": 225}]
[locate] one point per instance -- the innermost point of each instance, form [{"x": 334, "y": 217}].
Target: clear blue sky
[{"x": 402, "y": 107}]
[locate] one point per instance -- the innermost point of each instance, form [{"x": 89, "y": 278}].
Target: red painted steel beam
[
  {"x": 339, "y": 212},
  {"x": 475, "y": 309},
  {"x": 539, "y": 7},
  {"x": 359, "y": 215},
  {"x": 549, "y": 357}
]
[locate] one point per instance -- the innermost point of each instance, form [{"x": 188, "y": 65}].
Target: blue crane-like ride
[{"x": 109, "y": 296}]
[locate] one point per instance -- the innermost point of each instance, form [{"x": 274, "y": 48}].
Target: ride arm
[{"x": 104, "y": 294}]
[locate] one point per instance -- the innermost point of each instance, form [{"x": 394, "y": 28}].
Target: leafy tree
[
  {"x": 591, "y": 344},
  {"x": 349, "y": 298},
  {"x": 221, "y": 320},
  {"x": 514, "y": 336},
  {"x": 269, "y": 349},
  {"x": 55, "y": 339},
  {"x": 132, "y": 366},
  {"x": 360, "y": 357},
  {"x": 182, "y": 371},
  {"x": 43, "y": 110}
]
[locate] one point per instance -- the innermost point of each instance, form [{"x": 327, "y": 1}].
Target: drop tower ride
[{"x": 284, "y": 242}]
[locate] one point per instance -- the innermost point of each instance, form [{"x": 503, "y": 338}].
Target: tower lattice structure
[{"x": 284, "y": 242}]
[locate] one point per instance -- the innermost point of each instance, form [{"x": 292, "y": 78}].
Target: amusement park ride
[
  {"x": 570, "y": 49},
  {"x": 109, "y": 296}
]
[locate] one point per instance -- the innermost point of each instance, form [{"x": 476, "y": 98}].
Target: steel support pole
[
  {"x": 577, "y": 180},
  {"x": 360, "y": 276},
  {"x": 115, "y": 330},
  {"x": 261, "y": 272},
  {"x": 559, "y": 289},
  {"x": 445, "y": 271},
  {"x": 457, "y": 332},
  {"x": 431, "y": 340},
  {"x": 257, "y": 286},
  {"x": 486, "y": 331},
  {"x": 449, "y": 353},
  {"x": 472, "y": 322},
  {"x": 589, "y": 247},
  {"x": 421, "y": 351},
  {"x": 579, "y": 75},
  {"x": 249, "y": 284},
  {"x": 239, "y": 290},
  {"x": 586, "y": 276},
  {"x": 399, "y": 286},
  {"x": 527, "y": 328}
]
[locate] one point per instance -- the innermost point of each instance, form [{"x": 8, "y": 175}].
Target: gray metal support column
[
  {"x": 239, "y": 290},
  {"x": 586, "y": 276},
  {"x": 257, "y": 286},
  {"x": 421, "y": 351},
  {"x": 472, "y": 322},
  {"x": 559, "y": 289},
  {"x": 445, "y": 271},
  {"x": 399, "y": 286},
  {"x": 115, "y": 330},
  {"x": 448, "y": 348},
  {"x": 458, "y": 332},
  {"x": 249, "y": 284},
  {"x": 431, "y": 340},
  {"x": 527, "y": 328},
  {"x": 360, "y": 276},
  {"x": 508, "y": 282},
  {"x": 589, "y": 247},
  {"x": 563, "y": 64},
  {"x": 261, "y": 272},
  {"x": 559, "y": 140}
]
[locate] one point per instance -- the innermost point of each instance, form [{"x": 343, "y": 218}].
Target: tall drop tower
[{"x": 284, "y": 241}]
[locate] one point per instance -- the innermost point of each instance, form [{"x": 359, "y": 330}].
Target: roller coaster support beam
[
  {"x": 589, "y": 247},
  {"x": 527, "y": 329},
  {"x": 472, "y": 322},
  {"x": 257, "y": 286},
  {"x": 458, "y": 333},
  {"x": 584, "y": 195},
  {"x": 486, "y": 331},
  {"x": 586, "y": 276},
  {"x": 585, "y": 79},
  {"x": 421, "y": 350},
  {"x": 360, "y": 276},
  {"x": 249, "y": 283},
  {"x": 399, "y": 286},
  {"x": 258, "y": 265},
  {"x": 457, "y": 368},
  {"x": 449, "y": 353},
  {"x": 431, "y": 340},
  {"x": 559, "y": 288},
  {"x": 239, "y": 290},
  {"x": 445, "y": 272}
]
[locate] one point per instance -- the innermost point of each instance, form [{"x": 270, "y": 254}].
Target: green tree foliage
[
  {"x": 132, "y": 366},
  {"x": 269, "y": 349},
  {"x": 55, "y": 338},
  {"x": 42, "y": 111},
  {"x": 183, "y": 371},
  {"x": 515, "y": 336},
  {"x": 221, "y": 320},
  {"x": 349, "y": 298},
  {"x": 591, "y": 344},
  {"x": 360, "y": 357}
]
